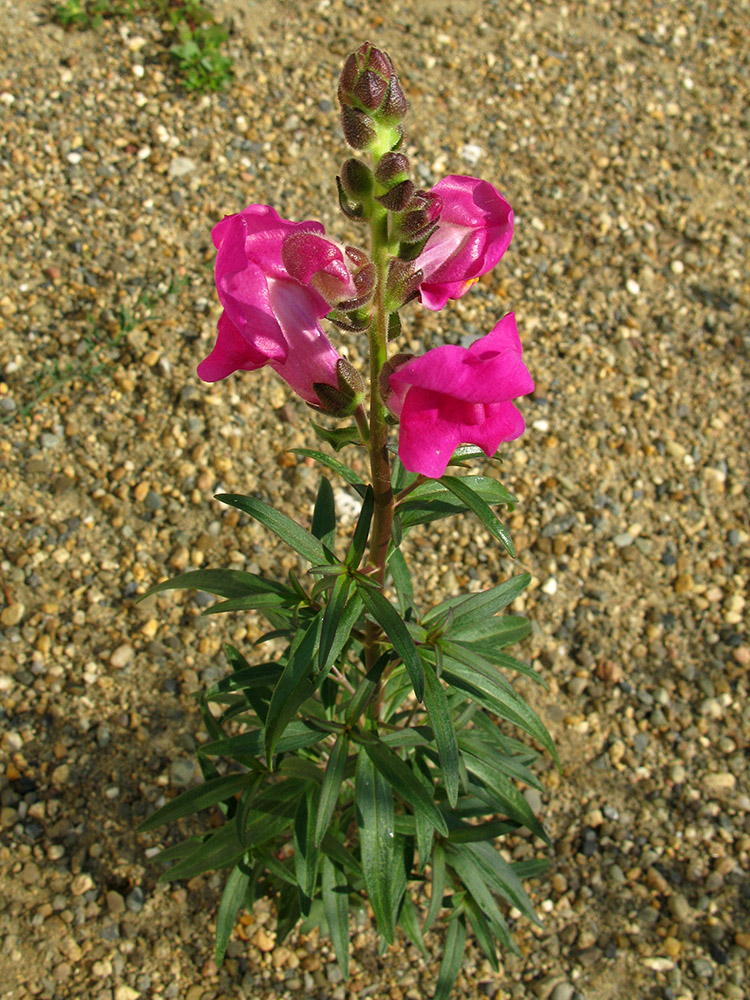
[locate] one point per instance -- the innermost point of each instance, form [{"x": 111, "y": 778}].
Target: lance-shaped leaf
[
  {"x": 487, "y": 686},
  {"x": 408, "y": 922},
  {"x": 441, "y": 720},
  {"x": 472, "y": 499},
  {"x": 210, "y": 793},
  {"x": 375, "y": 820},
  {"x": 464, "y": 865},
  {"x": 482, "y": 932},
  {"x": 332, "y": 618},
  {"x": 437, "y": 887},
  {"x": 366, "y": 689},
  {"x": 306, "y": 854},
  {"x": 296, "y": 736},
  {"x": 307, "y": 545},
  {"x": 294, "y": 685},
  {"x": 406, "y": 783},
  {"x": 335, "y": 891},
  {"x": 502, "y": 879},
  {"x": 222, "y": 582},
  {"x": 337, "y": 437},
  {"x": 506, "y": 763},
  {"x": 453, "y": 954},
  {"x": 232, "y": 901},
  {"x": 323, "y": 524},
  {"x": 347, "y": 474},
  {"x": 476, "y": 608},
  {"x": 395, "y": 628},
  {"x": 401, "y": 581},
  {"x": 332, "y": 779},
  {"x": 361, "y": 531},
  {"x": 504, "y": 795}
]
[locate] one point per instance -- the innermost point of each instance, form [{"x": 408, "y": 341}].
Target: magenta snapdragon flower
[
  {"x": 475, "y": 229},
  {"x": 454, "y": 395},
  {"x": 269, "y": 317}
]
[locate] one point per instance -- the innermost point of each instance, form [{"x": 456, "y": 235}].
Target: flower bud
[
  {"x": 371, "y": 99},
  {"x": 341, "y": 400},
  {"x": 356, "y": 179},
  {"x": 419, "y": 217},
  {"x": 397, "y": 199},
  {"x": 392, "y": 169},
  {"x": 402, "y": 283}
]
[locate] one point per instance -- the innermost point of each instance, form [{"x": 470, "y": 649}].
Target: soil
[{"x": 619, "y": 133}]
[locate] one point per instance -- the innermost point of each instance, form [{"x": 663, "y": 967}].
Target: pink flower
[
  {"x": 454, "y": 395},
  {"x": 475, "y": 229},
  {"x": 269, "y": 317}
]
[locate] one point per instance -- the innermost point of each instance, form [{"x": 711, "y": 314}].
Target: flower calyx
[
  {"x": 372, "y": 101},
  {"x": 342, "y": 399},
  {"x": 402, "y": 283}
]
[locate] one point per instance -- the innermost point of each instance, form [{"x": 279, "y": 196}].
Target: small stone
[
  {"x": 563, "y": 991},
  {"x": 122, "y": 656},
  {"x": 742, "y": 940},
  {"x": 679, "y": 907},
  {"x": 115, "y": 903},
  {"x": 81, "y": 884},
  {"x": 182, "y": 772},
  {"x": 683, "y": 584},
  {"x": 550, "y": 586},
  {"x": 633, "y": 287},
  {"x": 703, "y": 968},
  {"x": 672, "y": 947},
  {"x": 180, "y": 166},
  {"x": 658, "y": 964},
  {"x": 135, "y": 899},
  {"x": 124, "y": 992},
  {"x": 719, "y": 783},
  {"x": 12, "y": 615},
  {"x": 263, "y": 940},
  {"x": 623, "y": 540}
]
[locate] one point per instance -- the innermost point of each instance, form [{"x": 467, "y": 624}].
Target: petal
[
  {"x": 231, "y": 353},
  {"x": 310, "y": 357},
  {"x": 490, "y": 371},
  {"x": 245, "y": 297}
]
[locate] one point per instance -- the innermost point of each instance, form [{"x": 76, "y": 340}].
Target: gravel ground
[{"x": 619, "y": 132}]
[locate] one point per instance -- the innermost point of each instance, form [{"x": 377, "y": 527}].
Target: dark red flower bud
[
  {"x": 341, "y": 400},
  {"x": 387, "y": 370},
  {"x": 356, "y": 179},
  {"x": 357, "y": 128},
  {"x": 402, "y": 283},
  {"x": 369, "y": 84},
  {"x": 397, "y": 199},
  {"x": 392, "y": 169}
]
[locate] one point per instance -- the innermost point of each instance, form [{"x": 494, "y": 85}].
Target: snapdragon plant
[{"x": 381, "y": 752}]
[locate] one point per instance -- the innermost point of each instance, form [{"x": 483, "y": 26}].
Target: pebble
[
  {"x": 12, "y": 614},
  {"x": 122, "y": 656},
  {"x": 180, "y": 166},
  {"x": 135, "y": 899}
]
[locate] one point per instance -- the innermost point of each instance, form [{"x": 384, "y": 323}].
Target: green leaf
[
  {"x": 336, "y": 904},
  {"x": 438, "y": 887},
  {"x": 441, "y": 721},
  {"x": 365, "y": 689},
  {"x": 467, "y": 834},
  {"x": 287, "y": 912},
  {"x": 453, "y": 954},
  {"x": 245, "y": 804},
  {"x": 221, "y": 849},
  {"x": 362, "y": 531},
  {"x": 406, "y": 783},
  {"x": 347, "y": 474},
  {"x": 487, "y": 686},
  {"x": 177, "y": 851},
  {"x": 482, "y": 932},
  {"x": 482, "y": 510},
  {"x": 400, "y": 478},
  {"x": 332, "y": 779},
  {"x": 210, "y": 793},
  {"x": 463, "y": 863},
  {"x": 410, "y": 925},
  {"x": 504, "y": 762},
  {"x": 296, "y": 736},
  {"x": 292, "y": 533},
  {"x": 247, "y": 677},
  {"x": 340, "y": 855},
  {"x": 375, "y": 820},
  {"x": 489, "y": 651},
  {"x": 476, "y": 608},
  {"x": 294, "y": 685},
  {"x": 502, "y": 879},
  {"x": 502, "y": 630},
  {"x": 490, "y": 490},
  {"x": 401, "y": 581},
  {"x": 306, "y": 854},
  {"x": 338, "y": 437},
  {"x": 332, "y": 619},
  {"x": 532, "y": 868},
  {"x": 394, "y": 627},
  {"x": 469, "y": 453},
  {"x": 504, "y": 795},
  {"x": 323, "y": 524},
  {"x": 223, "y": 582},
  {"x": 231, "y": 903}
]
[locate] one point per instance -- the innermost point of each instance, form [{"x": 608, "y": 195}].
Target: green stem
[{"x": 380, "y": 466}]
